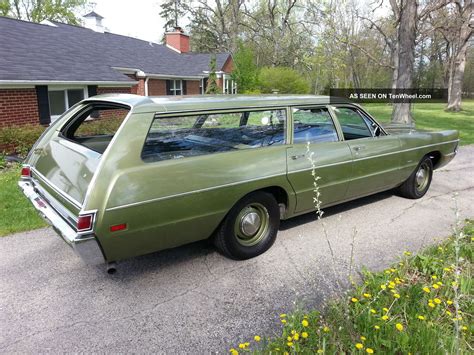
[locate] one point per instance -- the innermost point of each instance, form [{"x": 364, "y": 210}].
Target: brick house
[{"x": 46, "y": 68}]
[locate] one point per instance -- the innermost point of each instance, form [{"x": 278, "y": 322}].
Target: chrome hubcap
[
  {"x": 250, "y": 223},
  {"x": 422, "y": 177}
]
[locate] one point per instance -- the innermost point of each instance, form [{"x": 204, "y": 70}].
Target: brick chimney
[{"x": 177, "y": 40}]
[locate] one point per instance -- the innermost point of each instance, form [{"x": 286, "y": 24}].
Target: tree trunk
[
  {"x": 458, "y": 64},
  {"x": 406, "y": 58}
]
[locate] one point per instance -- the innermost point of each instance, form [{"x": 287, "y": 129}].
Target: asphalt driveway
[{"x": 192, "y": 299}]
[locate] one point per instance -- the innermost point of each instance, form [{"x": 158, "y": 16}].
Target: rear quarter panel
[{"x": 172, "y": 202}]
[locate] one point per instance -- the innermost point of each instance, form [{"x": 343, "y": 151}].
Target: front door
[
  {"x": 316, "y": 146},
  {"x": 376, "y": 156}
]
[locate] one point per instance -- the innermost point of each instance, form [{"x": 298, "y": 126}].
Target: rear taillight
[
  {"x": 85, "y": 222},
  {"x": 26, "y": 172}
]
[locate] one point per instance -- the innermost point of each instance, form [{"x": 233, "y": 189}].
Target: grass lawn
[
  {"x": 421, "y": 305},
  {"x": 16, "y": 212},
  {"x": 433, "y": 117}
]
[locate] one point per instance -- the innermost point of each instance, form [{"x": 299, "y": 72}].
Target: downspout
[{"x": 146, "y": 85}]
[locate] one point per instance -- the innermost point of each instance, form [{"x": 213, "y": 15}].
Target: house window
[
  {"x": 62, "y": 99},
  {"x": 176, "y": 87},
  {"x": 230, "y": 86}
]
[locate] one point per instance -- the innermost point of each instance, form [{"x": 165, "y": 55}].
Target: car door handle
[
  {"x": 359, "y": 147},
  {"x": 295, "y": 157}
]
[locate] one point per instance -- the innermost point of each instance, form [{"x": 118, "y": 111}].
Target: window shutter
[
  {"x": 168, "y": 87},
  {"x": 184, "y": 87},
  {"x": 91, "y": 90},
  {"x": 43, "y": 104}
]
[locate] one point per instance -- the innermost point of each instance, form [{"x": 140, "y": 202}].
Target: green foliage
[
  {"x": 16, "y": 212},
  {"x": 421, "y": 305},
  {"x": 212, "y": 87},
  {"x": 172, "y": 11},
  {"x": 19, "y": 139},
  {"x": 245, "y": 70},
  {"x": 38, "y": 10},
  {"x": 285, "y": 80}
]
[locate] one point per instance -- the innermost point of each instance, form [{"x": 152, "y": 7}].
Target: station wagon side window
[
  {"x": 95, "y": 125},
  {"x": 180, "y": 136},
  {"x": 313, "y": 125},
  {"x": 353, "y": 124}
]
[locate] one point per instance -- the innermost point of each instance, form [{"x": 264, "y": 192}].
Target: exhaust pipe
[{"x": 111, "y": 268}]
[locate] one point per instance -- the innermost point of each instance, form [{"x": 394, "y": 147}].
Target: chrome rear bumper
[{"x": 85, "y": 245}]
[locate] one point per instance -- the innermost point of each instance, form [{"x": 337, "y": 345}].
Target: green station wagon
[{"x": 122, "y": 175}]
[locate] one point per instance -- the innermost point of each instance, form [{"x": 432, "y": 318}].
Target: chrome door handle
[
  {"x": 359, "y": 147},
  {"x": 295, "y": 157}
]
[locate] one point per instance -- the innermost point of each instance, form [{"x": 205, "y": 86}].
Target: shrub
[
  {"x": 285, "y": 80},
  {"x": 19, "y": 139}
]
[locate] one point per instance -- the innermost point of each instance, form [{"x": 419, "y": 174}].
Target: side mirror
[{"x": 377, "y": 131}]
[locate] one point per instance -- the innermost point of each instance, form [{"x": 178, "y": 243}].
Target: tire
[
  {"x": 419, "y": 181},
  {"x": 250, "y": 227}
]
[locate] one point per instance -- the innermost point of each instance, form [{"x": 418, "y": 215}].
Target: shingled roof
[{"x": 60, "y": 52}]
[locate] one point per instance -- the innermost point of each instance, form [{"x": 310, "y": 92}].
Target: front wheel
[
  {"x": 250, "y": 228},
  {"x": 419, "y": 181}
]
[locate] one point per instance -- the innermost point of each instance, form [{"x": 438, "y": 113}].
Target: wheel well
[
  {"x": 435, "y": 158},
  {"x": 280, "y": 196}
]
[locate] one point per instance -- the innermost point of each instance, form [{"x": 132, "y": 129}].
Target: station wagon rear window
[
  {"x": 95, "y": 125},
  {"x": 180, "y": 136}
]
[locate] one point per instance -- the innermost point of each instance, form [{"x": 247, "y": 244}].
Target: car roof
[{"x": 164, "y": 104}]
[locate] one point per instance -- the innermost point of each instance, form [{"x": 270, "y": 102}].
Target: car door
[
  {"x": 315, "y": 140},
  {"x": 375, "y": 154}
]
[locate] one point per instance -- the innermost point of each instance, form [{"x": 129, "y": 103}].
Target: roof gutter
[{"x": 13, "y": 83}]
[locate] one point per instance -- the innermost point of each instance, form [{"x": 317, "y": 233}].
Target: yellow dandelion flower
[
  {"x": 326, "y": 329},
  {"x": 385, "y": 317},
  {"x": 393, "y": 270},
  {"x": 448, "y": 313},
  {"x": 359, "y": 346},
  {"x": 296, "y": 337},
  {"x": 439, "y": 283},
  {"x": 247, "y": 344},
  {"x": 257, "y": 338},
  {"x": 437, "y": 300},
  {"x": 369, "y": 351},
  {"x": 289, "y": 338},
  {"x": 449, "y": 302},
  {"x": 283, "y": 321},
  {"x": 242, "y": 346},
  {"x": 290, "y": 343},
  {"x": 454, "y": 284},
  {"x": 406, "y": 253},
  {"x": 293, "y": 332},
  {"x": 464, "y": 327},
  {"x": 447, "y": 269},
  {"x": 385, "y": 309},
  {"x": 399, "y": 327},
  {"x": 373, "y": 311},
  {"x": 233, "y": 351},
  {"x": 383, "y": 287},
  {"x": 354, "y": 300},
  {"x": 387, "y": 271},
  {"x": 286, "y": 353},
  {"x": 304, "y": 335},
  {"x": 421, "y": 317},
  {"x": 363, "y": 338},
  {"x": 367, "y": 295},
  {"x": 396, "y": 295},
  {"x": 283, "y": 315},
  {"x": 459, "y": 318},
  {"x": 391, "y": 284},
  {"x": 435, "y": 286},
  {"x": 434, "y": 277},
  {"x": 426, "y": 289},
  {"x": 304, "y": 323},
  {"x": 440, "y": 248},
  {"x": 376, "y": 327},
  {"x": 432, "y": 305},
  {"x": 320, "y": 351}
]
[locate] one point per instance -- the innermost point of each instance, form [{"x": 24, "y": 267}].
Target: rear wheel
[
  {"x": 419, "y": 181},
  {"x": 250, "y": 228}
]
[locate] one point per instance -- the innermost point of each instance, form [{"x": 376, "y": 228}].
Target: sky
[{"x": 133, "y": 18}]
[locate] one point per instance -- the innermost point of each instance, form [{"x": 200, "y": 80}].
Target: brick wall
[
  {"x": 18, "y": 107},
  {"x": 192, "y": 87},
  {"x": 156, "y": 87},
  {"x": 109, "y": 90}
]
